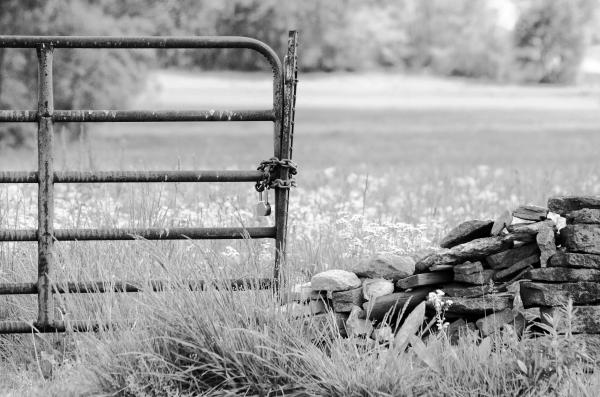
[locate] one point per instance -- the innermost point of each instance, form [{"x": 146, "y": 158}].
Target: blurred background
[{"x": 424, "y": 112}]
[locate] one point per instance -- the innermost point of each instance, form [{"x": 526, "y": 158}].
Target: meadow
[{"x": 387, "y": 163}]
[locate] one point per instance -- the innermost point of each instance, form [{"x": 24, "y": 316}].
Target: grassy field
[{"x": 388, "y": 163}]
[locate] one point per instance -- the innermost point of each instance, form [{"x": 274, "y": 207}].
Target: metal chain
[{"x": 269, "y": 168}]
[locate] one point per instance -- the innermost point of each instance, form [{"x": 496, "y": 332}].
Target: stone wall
[{"x": 522, "y": 269}]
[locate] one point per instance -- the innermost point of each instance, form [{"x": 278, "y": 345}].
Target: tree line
[{"x": 451, "y": 38}]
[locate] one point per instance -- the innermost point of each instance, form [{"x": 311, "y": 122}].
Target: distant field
[
  {"x": 367, "y": 121},
  {"x": 433, "y": 149}
]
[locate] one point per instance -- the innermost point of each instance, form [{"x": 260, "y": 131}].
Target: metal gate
[{"x": 275, "y": 173}]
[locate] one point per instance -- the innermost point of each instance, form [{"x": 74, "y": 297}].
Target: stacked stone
[
  {"x": 573, "y": 272},
  {"x": 486, "y": 268},
  {"x": 484, "y": 261},
  {"x": 357, "y": 301}
]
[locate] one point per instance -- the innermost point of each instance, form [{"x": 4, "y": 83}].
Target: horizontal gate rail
[
  {"x": 176, "y": 233},
  {"x": 138, "y": 116},
  {"x": 92, "y": 287},
  {"x": 134, "y": 176},
  {"x": 281, "y": 115},
  {"x": 23, "y": 327}
]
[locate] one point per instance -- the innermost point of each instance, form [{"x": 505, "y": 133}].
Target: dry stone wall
[{"x": 523, "y": 268}]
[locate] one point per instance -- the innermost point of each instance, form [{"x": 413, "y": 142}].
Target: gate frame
[{"x": 281, "y": 114}]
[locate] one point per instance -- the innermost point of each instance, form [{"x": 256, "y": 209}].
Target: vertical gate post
[
  {"x": 287, "y": 117},
  {"x": 45, "y": 187}
]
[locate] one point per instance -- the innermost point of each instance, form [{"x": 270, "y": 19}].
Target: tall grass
[
  {"x": 241, "y": 343},
  {"x": 180, "y": 342}
]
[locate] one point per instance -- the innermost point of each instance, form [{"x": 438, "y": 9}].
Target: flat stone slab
[
  {"x": 422, "y": 279},
  {"x": 377, "y": 308},
  {"x": 388, "y": 266},
  {"x": 468, "y": 268},
  {"x": 563, "y": 274},
  {"x": 517, "y": 267},
  {"x": 535, "y": 294},
  {"x": 344, "y": 301},
  {"x": 568, "y": 259},
  {"x": 467, "y": 290},
  {"x": 528, "y": 231},
  {"x": 478, "y": 278},
  {"x": 581, "y": 238},
  {"x": 373, "y": 288},
  {"x": 583, "y": 319},
  {"x": 467, "y": 231},
  {"x": 586, "y": 215},
  {"x": 508, "y": 258},
  {"x": 473, "y": 250},
  {"x": 441, "y": 268},
  {"x": 335, "y": 280},
  {"x": 564, "y": 204},
  {"x": 479, "y": 306},
  {"x": 530, "y": 212}
]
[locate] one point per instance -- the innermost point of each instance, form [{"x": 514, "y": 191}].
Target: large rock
[
  {"x": 545, "y": 240},
  {"x": 388, "y": 266},
  {"x": 468, "y": 268},
  {"x": 478, "y": 306},
  {"x": 377, "y": 308},
  {"x": 344, "y": 301},
  {"x": 467, "y": 231},
  {"x": 530, "y": 212},
  {"x": 422, "y": 279},
  {"x": 473, "y": 250},
  {"x": 564, "y": 204},
  {"x": 541, "y": 294},
  {"x": 517, "y": 267},
  {"x": 528, "y": 231},
  {"x": 508, "y": 258},
  {"x": 373, "y": 288},
  {"x": 467, "y": 290},
  {"x": 335, "y": 280},
  {"x": 584, "y": 319},
  {"x": 478, "y": 278},
  {"x": 494, "y": 322},
  {"x": 567, "y": 259},
  {"x": 581, "y": 238},
  {"x": 563, "y": 274},
  {"x": 585, "y": 215}
]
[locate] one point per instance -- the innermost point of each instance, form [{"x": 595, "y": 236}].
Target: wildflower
[{"x": 440, "y": 306}]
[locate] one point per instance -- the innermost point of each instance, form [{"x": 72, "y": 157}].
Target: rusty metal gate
[{"x": 275, "y": 173}]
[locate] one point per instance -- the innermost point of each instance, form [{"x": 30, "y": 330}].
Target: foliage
[
  {"x": 550, "y": 39},
  {"x": 458, "y": 38},
  {"x": 82, "y": 78}
]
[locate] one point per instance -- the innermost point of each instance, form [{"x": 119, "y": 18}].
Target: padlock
[{"x": 263, "y": 208}]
